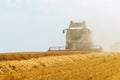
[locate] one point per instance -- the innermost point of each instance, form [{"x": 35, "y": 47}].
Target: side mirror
[{"x": 63, "y": 31}]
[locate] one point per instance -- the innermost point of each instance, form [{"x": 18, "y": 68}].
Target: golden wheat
[
  {"x": 93, "y": 66},
  {"x": 29, "y": 55}
]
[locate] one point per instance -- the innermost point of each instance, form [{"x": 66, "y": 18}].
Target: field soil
[{"x": 72, "y": 66}]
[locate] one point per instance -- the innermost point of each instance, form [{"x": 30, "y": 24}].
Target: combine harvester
[{"x": 78, "y": 38}]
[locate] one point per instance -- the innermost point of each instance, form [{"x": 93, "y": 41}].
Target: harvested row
[
  {"x": 95, "y": 66},
  {"x": 29, "y": 55}
]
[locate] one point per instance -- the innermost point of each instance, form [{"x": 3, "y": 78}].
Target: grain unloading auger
[{"x": 78, "y": 38}]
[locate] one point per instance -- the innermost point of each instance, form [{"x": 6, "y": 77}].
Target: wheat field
[{"x": 71, "y": 66}]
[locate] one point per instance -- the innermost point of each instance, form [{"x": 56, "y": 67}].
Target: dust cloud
[{"x": 106, "y": 32}]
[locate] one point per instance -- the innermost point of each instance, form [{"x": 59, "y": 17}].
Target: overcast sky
[{"x": 34, "y": 25}]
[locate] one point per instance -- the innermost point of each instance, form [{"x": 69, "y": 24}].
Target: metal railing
[{"x": 56, "y": 48}]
